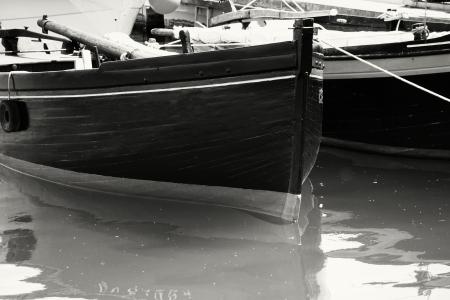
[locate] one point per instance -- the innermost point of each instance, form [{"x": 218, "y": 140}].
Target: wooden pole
[
  {"x": 104, "y": 45},
  {"x": 303, "y": 36},
  {"x": 185, "y": 38}
]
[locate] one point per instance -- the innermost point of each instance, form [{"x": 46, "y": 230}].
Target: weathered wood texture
[
  {"x": 221, "y": 118},
  {"x": 257, "y": 13}
]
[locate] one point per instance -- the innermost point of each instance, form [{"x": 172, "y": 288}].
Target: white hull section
[
  {"x": 94, "y": 16},
  {"x": 402, "y": 66}
]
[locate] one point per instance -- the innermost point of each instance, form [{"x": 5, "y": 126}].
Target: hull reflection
[
  {"x": 107, "y": 246},
  {"x": 282, "y": 206},
  {"x": 385, "y": 226}
]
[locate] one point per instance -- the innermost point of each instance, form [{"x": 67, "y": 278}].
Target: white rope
[
  {"x": 173, "y": 43},
  {"x": 200, "y": 24},
  {"x": 398, "y": 25},
  {"x": 248, "y": 5},
  {"x": 297, "y": 5},
  {"x": 10, "y": 74},
  {"x": 386, "y": 71},
  {"x": 9, "y": 85},
  {"x": 233, "y": 6},
  {"x": 287, "y": 4}
]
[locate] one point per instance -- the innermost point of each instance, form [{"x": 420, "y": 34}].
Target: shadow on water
[{"x": 61, "y": 242}]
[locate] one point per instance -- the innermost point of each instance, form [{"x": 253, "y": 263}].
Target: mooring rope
[
  {"x": 248, "y": 5},
  {"x": 386, "y": 71},
  {"x": 9, "y": 84}
]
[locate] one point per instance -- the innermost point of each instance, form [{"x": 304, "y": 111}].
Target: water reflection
[
  {"x": 19, "y": 244},
  {"x": 82, "y": 244},
  {"x": 382, "y": 233},
  {"x": 385, "y": 227},
  {"x": 13, "y": 280}
]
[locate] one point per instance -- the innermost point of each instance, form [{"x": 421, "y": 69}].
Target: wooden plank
[
  {"x": 434, "y": 6},
  {"x": 86, "y": 80},
  {"x": 211, "y": 56},
  {"x": 253, "y": 14},
  {"x": 206, "y": 3}
]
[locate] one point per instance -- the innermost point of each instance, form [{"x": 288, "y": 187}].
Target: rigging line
[
  {"x": 298, "y": 6},
  {"x": 287, "y": 4},
  {"x": 11, "y": 80},
  {"x": 9, "y": 84},
  {"x": 386, "y": 71},
  {"x": 248, "y": 5}
]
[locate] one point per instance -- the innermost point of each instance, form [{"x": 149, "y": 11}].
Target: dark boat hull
[
  {"x": 173, "y": 139},
  {"x": 393, "y": 114},
  {"x": 213, "y": 119},
  {"x": 365, "y": 107}
]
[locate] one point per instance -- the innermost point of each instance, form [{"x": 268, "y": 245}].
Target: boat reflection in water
[
  {"x": 62, "y": 242},
  {"x": 385, "y": 226},
  {"x": 382, "y": 233}
]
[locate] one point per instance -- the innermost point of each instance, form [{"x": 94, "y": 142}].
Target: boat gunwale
[
  {"x": 228, "y": 63},
  {"x": 392, "y": 50}
]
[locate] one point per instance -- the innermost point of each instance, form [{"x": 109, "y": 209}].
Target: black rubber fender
[{"x": 13, "y": 115}]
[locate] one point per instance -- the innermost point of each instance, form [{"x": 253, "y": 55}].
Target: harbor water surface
[{"x": 370, "y": 227}]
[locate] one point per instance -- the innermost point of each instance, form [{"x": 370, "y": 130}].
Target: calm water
[{"x": 374, "y": 228}]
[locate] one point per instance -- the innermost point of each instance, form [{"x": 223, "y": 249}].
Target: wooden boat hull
[
  {"x": 393, "y": 114},
  {"x": 225, "y": 118},
  {"x": 366, "y": 107}
]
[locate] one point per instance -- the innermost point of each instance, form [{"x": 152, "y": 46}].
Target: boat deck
[
  {"x": 367, "y": 8},
  {"x": 348, "y": 39}
]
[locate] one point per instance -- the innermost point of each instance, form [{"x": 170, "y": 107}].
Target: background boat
[
  {"x": 361, "y": 15},
  {"x": 364, "y": 106}
]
